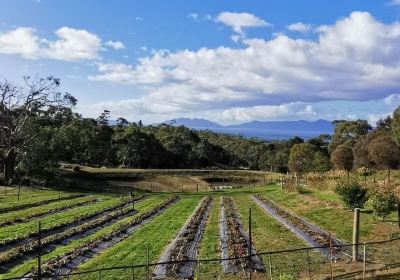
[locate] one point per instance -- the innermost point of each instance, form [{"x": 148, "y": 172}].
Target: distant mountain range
[{"x": 268, "y": 130}]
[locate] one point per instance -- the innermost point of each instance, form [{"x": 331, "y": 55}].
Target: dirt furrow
[
  {"x": 52, "y": 242},
  {"x": 235, "y": 241},
  {"x": 185, "y": 245},
  {"x": 48, "y": 213},
  {"x": 66, "y": 263},
  {"x": 43, "y": 202},
  {"x": 305, "y": 230},
  {"x": 33, "y": 236}
]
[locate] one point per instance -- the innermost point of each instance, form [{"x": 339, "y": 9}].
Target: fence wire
[{"x": 373, "y": 258}]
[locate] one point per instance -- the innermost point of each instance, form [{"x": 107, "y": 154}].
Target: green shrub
[
  {"x": 383, "y": 203},
  {"x": 285, "y": 276},
  {"x": 352, "y": 193}
]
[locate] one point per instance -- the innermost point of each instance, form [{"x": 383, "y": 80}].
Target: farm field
[{"x": 85, "y": 232}]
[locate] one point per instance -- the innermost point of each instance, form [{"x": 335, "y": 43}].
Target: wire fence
[{"x": 373, "y": 258}]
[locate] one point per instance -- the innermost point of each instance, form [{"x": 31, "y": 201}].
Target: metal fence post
[
  {"x": 308, "y": 265},
  {"x": 250, "y": 245},
  {"x": 198, "y": 270},
  {"x": 147, "y": 263},
  {"x": 270, "y": 265},
  {"x": 39, "y": 256},
  {"x": 330, "y": 255},
  {"x": 356, "y": 233},
  {"x": 364, "y": 259},
  {"x": 100, "y": 274},
  {"x": 133, "y": 272}
]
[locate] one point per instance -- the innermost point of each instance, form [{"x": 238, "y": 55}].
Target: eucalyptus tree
[{"x": 22, "y": 108}]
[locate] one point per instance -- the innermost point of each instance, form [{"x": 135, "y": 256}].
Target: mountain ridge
[{"x": 262, "y": 129}]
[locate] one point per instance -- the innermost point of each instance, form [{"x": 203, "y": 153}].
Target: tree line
[{"x": 39, "y": 130}]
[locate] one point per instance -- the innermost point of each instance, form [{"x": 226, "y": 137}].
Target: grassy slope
[
  {"x": 133, "y": 249},
  {"x": 141, "y": 206},
  {"x": 14, "y": 231}
]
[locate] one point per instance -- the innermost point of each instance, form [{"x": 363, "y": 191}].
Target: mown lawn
[
  {"x": 156, "y": 235},
  {"x": 142, "y": 206}
]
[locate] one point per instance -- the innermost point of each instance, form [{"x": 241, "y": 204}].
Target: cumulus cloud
[
  {"x": 293, "y": 110},
  {"x": 117, "y": 45},
  {"x": 22, "y": 41},
  {"x": 71, "y": 44},
  {"x": 299, "y": 27},
  {"x": 240, "y": 21},
  {"x": 357, "y": 58}
]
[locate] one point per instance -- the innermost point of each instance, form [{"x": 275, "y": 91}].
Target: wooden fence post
[
  {"x": 356, "y": 233},
  {"x": 364, "y": 259}
]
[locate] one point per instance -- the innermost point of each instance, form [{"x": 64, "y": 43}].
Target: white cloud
[
  {"x": 294, "y": 110},
  {"x": 235, "y": 38},
  {"x": 392, "y": 100},
  {"x": 139, "y": 18},
  {"x": 22, "y": 41},
  {"x": 357, "y": 58},
  {"x": 239, "y": 21},
  {"x": 198, "y": 18},
  {"x": 299, "y": 27},
  {"x": 207, "y": 17},
  {"x": 193, "y": 16},
  {"x": 117, "y": 45},
  {"x": 71, "y": 45},
  {"x": 394, "y": 2}
]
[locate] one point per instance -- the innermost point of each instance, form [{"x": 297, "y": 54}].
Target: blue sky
[{"x": 227, "y": 61}]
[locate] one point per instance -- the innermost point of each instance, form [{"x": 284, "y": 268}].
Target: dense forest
[{"x": 39, "y": 130}]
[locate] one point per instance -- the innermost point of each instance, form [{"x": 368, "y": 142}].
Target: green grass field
[
  {"x": 133, "y": 249},
  {"x": 323, "y": 208},
  {"x": 141, "y": 206},
  {"x": 9, "y": 196},
  {"x": 38, "y": 210},
  {"x": 25, "y": 229}
]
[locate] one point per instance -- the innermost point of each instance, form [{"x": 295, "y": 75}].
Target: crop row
[
  {"x": 28, "y": 237},
  {"x": 32, "y": 247},
  {"x": 180, "y": 250},
  {"x": 51, "y": 265},
  {"x": 318, "y": 236},
  {"x": 42, "y": 202},
  {"x": 17, "y": 220},
  {"x": 238, "y": 245}
]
